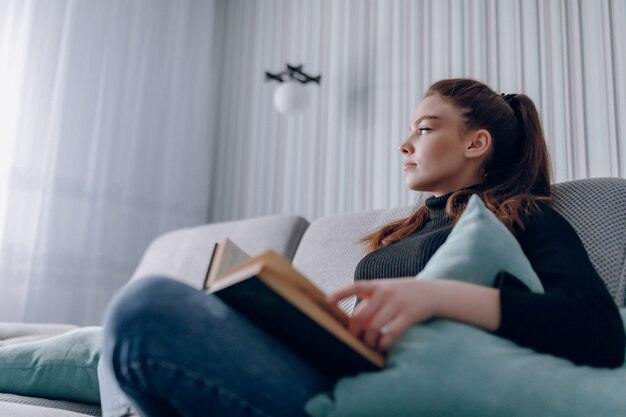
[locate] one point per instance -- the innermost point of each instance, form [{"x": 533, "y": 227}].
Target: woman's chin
[{"x": 414, "y": 185}]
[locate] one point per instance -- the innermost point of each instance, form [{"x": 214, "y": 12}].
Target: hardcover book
[{"x": 279, "y": 299}]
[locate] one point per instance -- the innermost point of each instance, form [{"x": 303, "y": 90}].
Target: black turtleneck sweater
[{"x": 576, "y": 318}]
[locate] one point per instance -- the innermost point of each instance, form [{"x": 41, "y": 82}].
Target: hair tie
[{"x": 508, "y": 98}]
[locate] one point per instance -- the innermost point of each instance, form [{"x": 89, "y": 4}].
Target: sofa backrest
[
  {"x": 329, "y": 250},
  {"x": 596, "y": 208},
  {"x": 184, "y": 254}
]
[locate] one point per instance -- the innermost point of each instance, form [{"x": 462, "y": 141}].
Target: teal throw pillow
[
  {"x": 444, "y": 368},
  {"x": 62, "y": 367},
  {"x": 478, "y": 248}
]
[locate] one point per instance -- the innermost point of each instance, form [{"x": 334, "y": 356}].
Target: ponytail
[{"x": 522, "y": 164}]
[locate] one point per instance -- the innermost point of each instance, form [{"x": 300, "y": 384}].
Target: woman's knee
[
  {"x": 141, "y": 299},
  {"x": 138, "y": 308}
]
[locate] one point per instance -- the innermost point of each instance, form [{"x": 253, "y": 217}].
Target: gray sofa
[{"x": 327, "y": 251}]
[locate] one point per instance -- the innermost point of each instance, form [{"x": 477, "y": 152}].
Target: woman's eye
[{"x": 424, "y": 129}]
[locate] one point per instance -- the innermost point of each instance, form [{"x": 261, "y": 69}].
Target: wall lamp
[{"x": 291, "y": 96}]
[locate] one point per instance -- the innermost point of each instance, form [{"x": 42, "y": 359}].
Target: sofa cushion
[
  {"x": 22, "y": 406},
  {"x": 60, "y": 367},
  {"x": 329, "y": 250},
  {"x": 19, "y": 405},
  {"x": 184, "y": 254},
  {"x": 443, "y": 368}
]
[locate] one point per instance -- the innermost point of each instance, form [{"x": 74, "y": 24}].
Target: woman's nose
[{"x": 406, "y": 147}]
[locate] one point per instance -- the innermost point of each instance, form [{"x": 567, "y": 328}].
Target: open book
[{"x": 275, "y": 296}]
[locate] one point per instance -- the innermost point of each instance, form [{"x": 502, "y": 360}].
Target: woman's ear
[{"x": 478, "y": 144}]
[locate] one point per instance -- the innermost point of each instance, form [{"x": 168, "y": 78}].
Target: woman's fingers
[
  {"x": 360, "y": 289},
  {"x": 382, "y": 319},
  {"x": 363, "y": 314},
  {"x": 393, "y": 330},
  {"x": 386, "y": 310}
]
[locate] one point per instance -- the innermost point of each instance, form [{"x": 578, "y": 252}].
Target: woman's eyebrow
[{"x": 418, "y": 121}]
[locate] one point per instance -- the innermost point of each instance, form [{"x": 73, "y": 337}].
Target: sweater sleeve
[{"x": 575, "y": 318}]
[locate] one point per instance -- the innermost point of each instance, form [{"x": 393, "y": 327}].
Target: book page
[{"x": 226, "y": 256}]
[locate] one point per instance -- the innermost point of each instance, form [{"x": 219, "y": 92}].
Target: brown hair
[{"x": 516, "y": 173}]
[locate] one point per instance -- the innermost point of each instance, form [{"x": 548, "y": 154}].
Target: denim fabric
[
  {"x": 113, "y": 401},
  {"x": 176, "y": 351}
]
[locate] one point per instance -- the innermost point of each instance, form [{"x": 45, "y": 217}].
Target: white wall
[{"x": 376, "y": 58}]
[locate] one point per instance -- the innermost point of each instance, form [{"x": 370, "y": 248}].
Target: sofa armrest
[
  {"x": 13, "y": 333},
  {"x": 184, "y": 254}
]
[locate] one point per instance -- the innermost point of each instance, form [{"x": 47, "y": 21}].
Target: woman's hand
[{"x": 389, "y": 307}]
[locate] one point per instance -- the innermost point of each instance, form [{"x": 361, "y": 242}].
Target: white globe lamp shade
[{"x": 291, "y": 97}]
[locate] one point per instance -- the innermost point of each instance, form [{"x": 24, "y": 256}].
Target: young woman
[{"x": 176, "y": 351}]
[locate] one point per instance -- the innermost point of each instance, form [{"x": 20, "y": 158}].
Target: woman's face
[{"x": 436, "y": 148}]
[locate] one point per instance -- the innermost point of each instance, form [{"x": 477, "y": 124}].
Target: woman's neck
[{"x": 471, "y": 184}]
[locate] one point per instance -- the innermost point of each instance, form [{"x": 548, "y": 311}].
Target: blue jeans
[{"x": 176, "y": 351}]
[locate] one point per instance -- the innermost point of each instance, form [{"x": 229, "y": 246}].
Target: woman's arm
[
  {"x": 576, "y": 318},
  {"x": 396, "y": 304}
]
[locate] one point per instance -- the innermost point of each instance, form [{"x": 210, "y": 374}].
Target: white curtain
[{"x": 105, "y": 141}]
